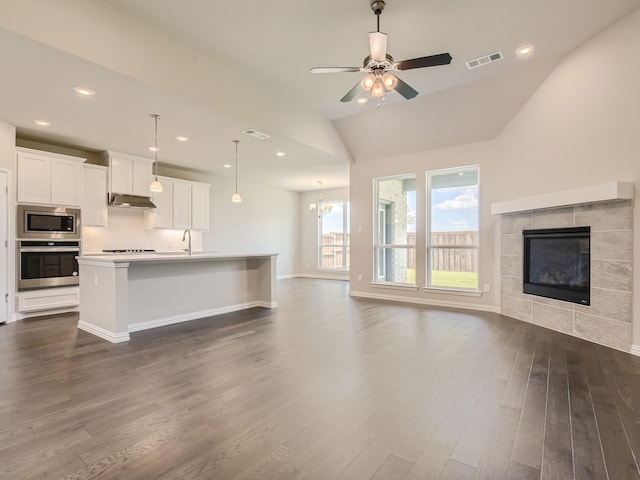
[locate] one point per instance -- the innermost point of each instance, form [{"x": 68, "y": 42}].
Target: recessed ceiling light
[
  {"x": 182, "y": 138},
  {"x": 153, "y": 149},
  {"x": 84, "y": 91},
  {"x": 280, "y": 154},
  {"x": 362, "y": 100},
  {"x": 42, "y": 123},
  {"x": 525, "y": 50},
  {"x": 226, "y": 165}
]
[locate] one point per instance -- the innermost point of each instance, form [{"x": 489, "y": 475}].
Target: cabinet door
[
  {"x": 200, "y": 206},
  {"x": 181, "y": 205},
  {"x": 94, "y": 198},
  {"x": 66, "y": 182},
  {"x": 142, "y": 178},
  {"x": 162, "y": 215},
  {"x": 121, "y": 175},
  {"x": 34, "y": 178}
]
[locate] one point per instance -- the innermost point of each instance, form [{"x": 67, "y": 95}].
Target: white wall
[
  {"x": 361, "y": 187},
  {"x": 265, "y": 222},
  {"x": 7, "y": 146},
  {"x": 308, "y": 258},
  {"x": 582, "y": 128}
]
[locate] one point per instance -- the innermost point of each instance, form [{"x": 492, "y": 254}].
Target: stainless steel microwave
[{"x": 43, "y": 222}]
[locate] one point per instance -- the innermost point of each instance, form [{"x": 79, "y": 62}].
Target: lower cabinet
[{"x": 48, "y": 299}]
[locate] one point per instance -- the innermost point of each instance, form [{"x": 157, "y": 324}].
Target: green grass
[{"x": 454, "y": 279}]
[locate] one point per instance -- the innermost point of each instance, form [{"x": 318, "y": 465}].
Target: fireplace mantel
[{"x": 603, "y": 192}]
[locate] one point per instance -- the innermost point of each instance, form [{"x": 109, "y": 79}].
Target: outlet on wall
[
  {"x": 486, "y": 288},
  {"x": 360, "y": 277}
]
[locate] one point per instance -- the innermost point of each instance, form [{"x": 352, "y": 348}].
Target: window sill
[
  {"x": 451, "y": 291},
  {"x": 395, "y": 286}
]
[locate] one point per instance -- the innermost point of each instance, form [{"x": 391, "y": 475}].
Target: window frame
[
  {"x": 383, "y": 248},
  {"x": 429, "y": 247},
  {"x": 346, "y": 242}
]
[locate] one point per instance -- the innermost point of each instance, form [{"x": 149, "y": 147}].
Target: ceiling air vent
[
  {"x": 484, "y": 60},
  {"x": 255, "y": 134}
]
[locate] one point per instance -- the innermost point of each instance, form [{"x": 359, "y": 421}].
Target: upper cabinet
[
  {"x": 94, "y": 197},
  {"x": 181, "y": 205},
  {"x": 48, "y": 178},
  {"x": 129, "y": 174}
]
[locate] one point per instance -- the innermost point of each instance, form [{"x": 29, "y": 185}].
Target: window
[
  {"x": 333, "y": 245},
  {"x": 452, "y": 222},
  {"x": 395, "y": 230}
]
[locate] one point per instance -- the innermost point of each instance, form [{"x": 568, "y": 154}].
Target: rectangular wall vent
[
  {"x": 484, "y": 60},
  {"x": 256, "y": 134}
]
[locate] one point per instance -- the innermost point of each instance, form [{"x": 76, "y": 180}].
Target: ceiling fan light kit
[{"x": 379, "y": 65}]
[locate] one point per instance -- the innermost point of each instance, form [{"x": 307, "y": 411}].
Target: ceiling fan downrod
[{"x": 377, "y": 6}]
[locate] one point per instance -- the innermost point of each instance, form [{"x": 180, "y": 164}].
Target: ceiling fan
[{"x": 379, "y": 65}]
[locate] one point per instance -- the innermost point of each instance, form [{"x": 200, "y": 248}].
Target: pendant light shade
[
  {"x": 236, "y": 198},
  {"x": 156, "y": 186}
]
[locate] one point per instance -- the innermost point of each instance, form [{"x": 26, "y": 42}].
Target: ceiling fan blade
[
  {"x": 351, "y": 94},
  {"x": 405, "y": 90},
  {"x": 335, "y": 69},
  {"x": 430, "y": 61},
  {"x": 378, "y": 45}
]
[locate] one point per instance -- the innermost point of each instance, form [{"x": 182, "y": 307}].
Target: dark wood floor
[{"x": 323, "y": 387}]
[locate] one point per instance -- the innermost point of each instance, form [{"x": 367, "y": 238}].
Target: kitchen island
[{"x": 120, "y": 294}]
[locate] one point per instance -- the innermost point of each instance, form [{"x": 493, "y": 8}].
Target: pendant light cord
[
  {"x": 156, "y": 116},
  {"x": 236, "y": 142}
]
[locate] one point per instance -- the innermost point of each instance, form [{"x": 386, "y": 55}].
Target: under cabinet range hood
[{"x": 124, "y": 200}]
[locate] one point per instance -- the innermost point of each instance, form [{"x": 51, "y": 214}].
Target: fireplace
[{"x": 557, "y": 263}]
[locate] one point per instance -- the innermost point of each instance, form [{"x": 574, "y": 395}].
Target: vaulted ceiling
[{"x": 214, "y": 69}]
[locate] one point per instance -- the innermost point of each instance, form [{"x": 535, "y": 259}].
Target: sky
[{"x": 454, "y": 209}]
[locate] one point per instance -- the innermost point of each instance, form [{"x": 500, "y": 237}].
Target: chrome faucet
[{"x": 184, "y": 235}]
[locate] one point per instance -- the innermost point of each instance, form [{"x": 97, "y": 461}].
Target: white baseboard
[
  {"x": 102, "y": 333},
  {"x": 323, "y": 277},
  {"x": 427, "y": 301},
  {"x": 635, "y": 350},
  {"x": 291, "y": 275},
  {"x": 41, "y": 313},
  {"x": 187, "y": 317}
]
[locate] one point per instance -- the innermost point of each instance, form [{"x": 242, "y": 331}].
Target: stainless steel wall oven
[{"x": 47, "y": 263}]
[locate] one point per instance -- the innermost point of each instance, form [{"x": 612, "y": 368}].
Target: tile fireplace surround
[{"x": 608, "y": 320}]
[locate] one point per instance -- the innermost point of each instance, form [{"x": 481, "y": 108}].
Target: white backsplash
[{"x": 126, "y": 230}]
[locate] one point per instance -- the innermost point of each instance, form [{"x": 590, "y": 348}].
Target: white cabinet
[
  {"x": 48, "y": 178},
  {"x": 162, "y": 215},
  {"x": 48, "y": 299},
  {"x": 200, "y": 206},
  {"x": 94, "y": 198},
  {"x": 182, "y": 204},
  {"x": 129, "y": 174}
]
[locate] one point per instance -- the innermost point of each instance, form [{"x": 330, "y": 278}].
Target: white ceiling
[{"x": 213, "y": 69}]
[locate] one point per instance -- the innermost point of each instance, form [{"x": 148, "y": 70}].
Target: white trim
[
  {"x": 594, "y": 193},
  {"x": 102, "y": 333},
  {"x": 290, "y": 275},
  {"x": 325, "y": 277},
  {"x": 635, "y": 350},
  {"x": 187, "y": 317},
  {"x": 43, "y": 313},
  {"x": 451, "y": 291},
  {"x": 395, "y": 286},
  {"x": 430, "y": 302}
]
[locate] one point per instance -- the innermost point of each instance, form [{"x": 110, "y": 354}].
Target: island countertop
[{"x": 167, "y": 257}]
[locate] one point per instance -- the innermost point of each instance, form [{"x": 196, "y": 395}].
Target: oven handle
[{"x": 49, "y": 249}]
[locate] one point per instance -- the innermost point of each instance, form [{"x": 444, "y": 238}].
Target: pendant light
[
  {"x": 156, "y": 186},
  {"x": 236, "y": 196}
]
